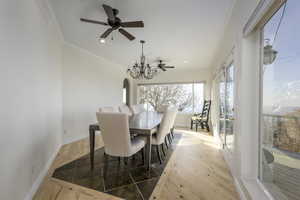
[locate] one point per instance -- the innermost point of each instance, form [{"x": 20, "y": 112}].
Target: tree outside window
[{"x": 187, "y": 97}]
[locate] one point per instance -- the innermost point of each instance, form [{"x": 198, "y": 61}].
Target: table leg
[
  {"x": 149, "y": 143},
  {"x": 92, "y": 147}
]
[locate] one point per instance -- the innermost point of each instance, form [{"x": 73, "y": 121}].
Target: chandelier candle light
[{"x": 142, "y": 70}]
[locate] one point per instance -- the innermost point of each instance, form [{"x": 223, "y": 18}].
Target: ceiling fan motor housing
[
  {"x": 115, "y": 11},
  {"x": 115, "y": 24}
]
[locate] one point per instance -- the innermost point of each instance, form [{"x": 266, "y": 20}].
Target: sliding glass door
[
  {"x": 222, "y": 92},
  {"x": 226, "y": 106},
  {"x": 229, "y": 107}
]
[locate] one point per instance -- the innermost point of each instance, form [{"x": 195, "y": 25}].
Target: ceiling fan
[
  {"x": 163, "y": 66},
  {"x": 115, "y": 23}
]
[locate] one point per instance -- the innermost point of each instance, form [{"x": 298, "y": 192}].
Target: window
[
  {"x": 226, "y": 106},
  {"x": 188, "y": 97},
  {"x": 222, "y": 106},
  {"x": 126, "y": 93},
  {"x": 280, "y": 113}
]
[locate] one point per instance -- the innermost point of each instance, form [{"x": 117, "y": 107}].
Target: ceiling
[{"x": 186, "y": 33}]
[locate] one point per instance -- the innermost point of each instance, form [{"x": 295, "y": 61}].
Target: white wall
[
  {"x": 89, "y": 82},
  {"x": 30, "y": 98},
  {"x": 181, "y": 75}
]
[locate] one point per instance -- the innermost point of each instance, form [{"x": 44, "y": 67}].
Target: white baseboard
[
  {"x": 239, "y": 188},
  {"x": 238, "y": 184},
  {"x": 42, "y": 175},
  {"x": 75, "y": 139}
]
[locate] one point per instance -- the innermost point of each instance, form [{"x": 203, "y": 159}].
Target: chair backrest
[
  {"x": 125, "y": 109},
  {"x": 206, "y": 110},
  {"x": 115, "y": 133},
  {"x": 173, "y": 118},
  {"x": 110, "y": 109},
  {"x": 136, "y": 109},
  {"x": 165, "y": 125},
  {"x": 162, "y": 109}
]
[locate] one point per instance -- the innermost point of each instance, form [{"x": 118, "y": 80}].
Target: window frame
[
  {"x": 230, "y": 63},
  {"x": 268, "y": 16}
]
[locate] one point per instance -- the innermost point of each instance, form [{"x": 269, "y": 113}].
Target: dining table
[{"x": 145, "y": 124}]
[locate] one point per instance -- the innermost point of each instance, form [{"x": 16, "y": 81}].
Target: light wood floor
[{"x": 196, "y": 171}]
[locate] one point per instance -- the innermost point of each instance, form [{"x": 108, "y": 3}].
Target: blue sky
[{"x": 282, "y": 78}]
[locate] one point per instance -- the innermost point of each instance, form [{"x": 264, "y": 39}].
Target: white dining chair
[
  {"x": 162, "y": 109},
  {"x": 116, "y": 135},
  {"x": 173, "y": 118},
  {"x": 117, "y": 140},
  {"x": 111, "y": 109},
  {"x": 163, "y": 131},
  {"x": 125, "y": 109},
  {"x": 136, "y": 109}
]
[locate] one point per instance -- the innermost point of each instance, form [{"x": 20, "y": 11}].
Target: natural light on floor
[{"x": 204, "y": 138}]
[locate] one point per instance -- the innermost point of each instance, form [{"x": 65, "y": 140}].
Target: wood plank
[{"x": 198, "y": 171}]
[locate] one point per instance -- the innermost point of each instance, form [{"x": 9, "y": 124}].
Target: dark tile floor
[{"x": 131, "y": 181}]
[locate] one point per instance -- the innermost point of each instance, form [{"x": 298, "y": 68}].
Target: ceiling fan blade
[
  {"x": 106, "y": 33},
  {"x": 170, "y": 67},
  {"x": 93, "y": 21},
  {"x": 162, "y": 68},
  {"x": 109, "y": 12},
  {"x": 133, "y": 24},
  {"x": 126, "y": 34}
]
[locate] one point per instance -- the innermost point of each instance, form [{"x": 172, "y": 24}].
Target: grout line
[
  {"x": 131, "y": 177},
  {"x": 148, "y": 179},
  {"x": 122, "y": 186},
  {"x": 137, "y": 187}
]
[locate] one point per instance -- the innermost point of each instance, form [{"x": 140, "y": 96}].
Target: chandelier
[{"x": 142, "y": 70}]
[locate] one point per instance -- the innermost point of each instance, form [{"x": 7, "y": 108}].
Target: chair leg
[
  {"x": 191, "y": 124},
  {"x": 105, "y": 157},
  {"x": 196, "y": 127},
  {"x": 125, "y": 160},
  {"x": 105, "y": 165},
  {"x": 202, "y": 125},
  {"x": 166, "y": 142},
  {"x": 162, "y": 148},
  {"x": 172, "y": 132},
  {"x": 143, "y": 151},
  {"x": 166, "y": 146},
  {"x": 207, "y": 127},
  {"x": 169, "y": 138},
  {"x": 158, "y": 154}
]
